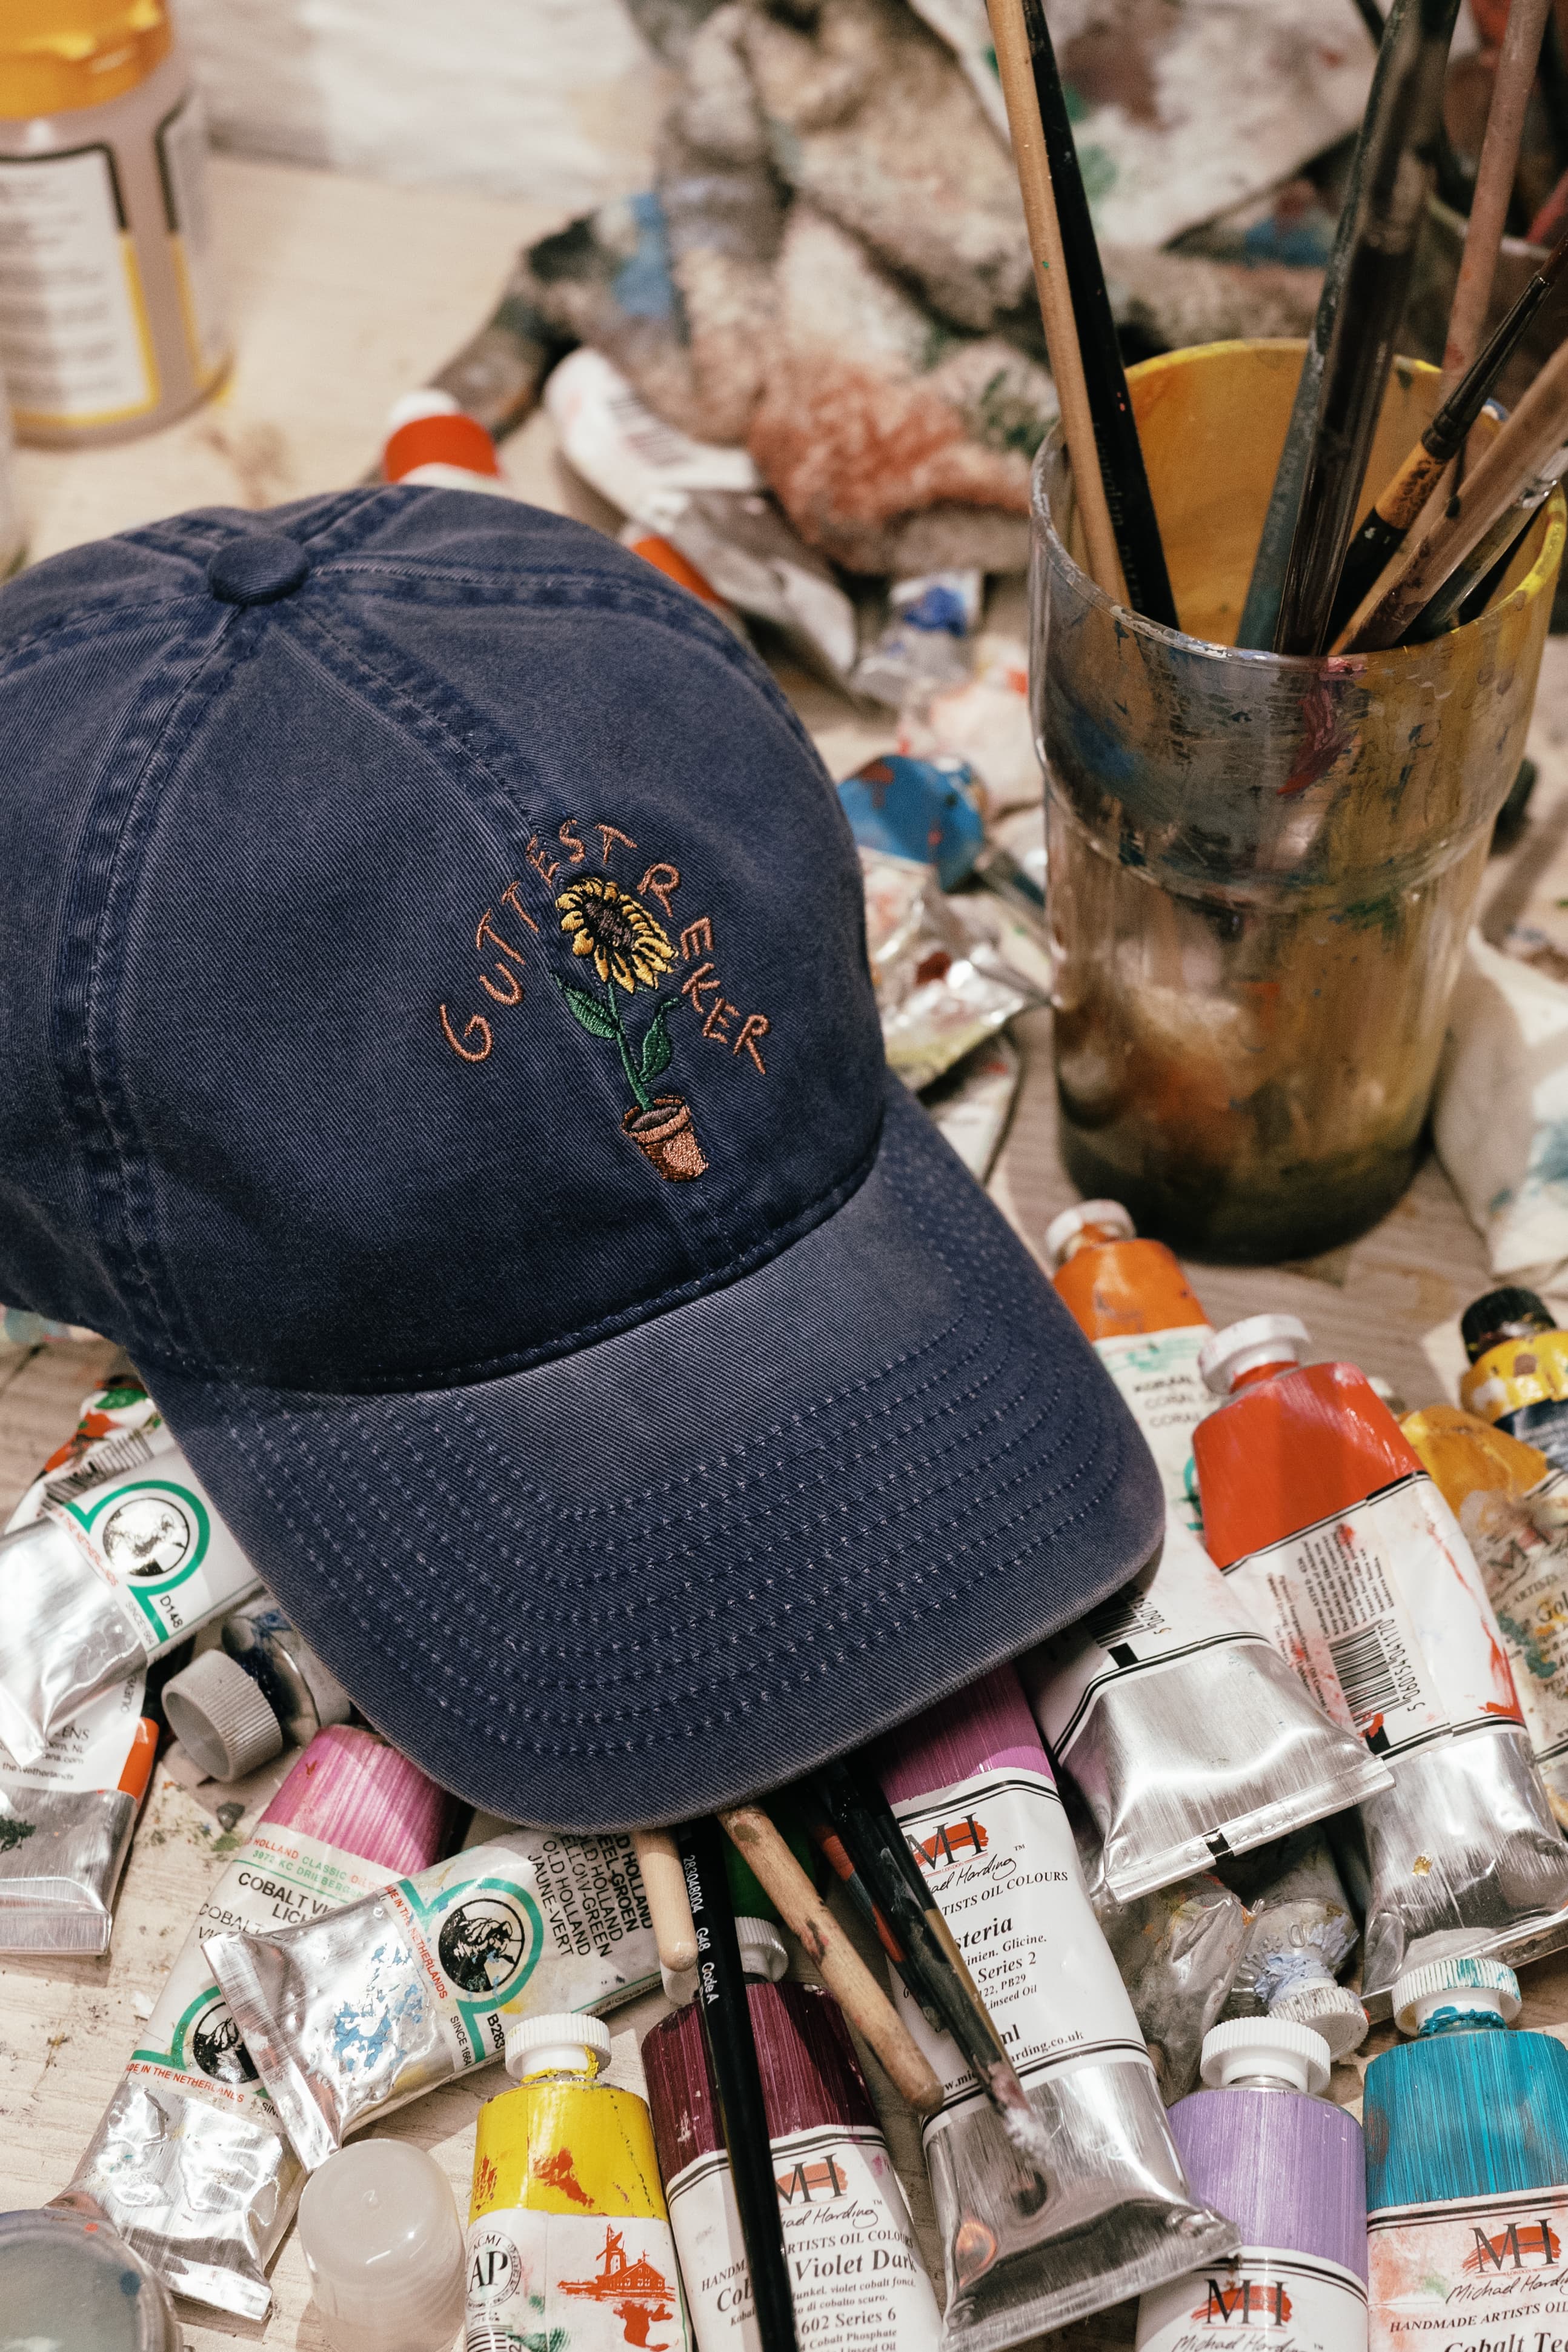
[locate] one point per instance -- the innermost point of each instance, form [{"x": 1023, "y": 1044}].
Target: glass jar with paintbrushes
[{"x": 1267, "y": 825}]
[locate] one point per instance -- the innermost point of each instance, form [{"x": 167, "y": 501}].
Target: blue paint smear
[{"x": 643, "y": 286}]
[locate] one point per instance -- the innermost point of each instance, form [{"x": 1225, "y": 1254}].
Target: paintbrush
[
  {"x": 1517, "y": 453},
  {"x": 1351, "y": 348},
  {"x": 1470, "y": 587},
  {"x": 733, "y": 2055},
  {"x": 881, "y": 1853},
  {"x": 1080, "y": 335},
  {"x": 1400, "y": 502},
  {"x": 664, "y": 1884},
  {"x": 842, "y": 1970},
  {"x": 1511, "y": 86}
]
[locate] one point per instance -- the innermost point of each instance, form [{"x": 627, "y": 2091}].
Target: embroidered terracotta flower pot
[{"x": 666, "y": 1136}]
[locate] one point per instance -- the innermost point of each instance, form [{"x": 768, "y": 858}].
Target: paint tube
[
  {"x": 1263, "y": 2143},
  {"x": 855, "y": 2268},
  {"x": 66, "y": 1824},
  {"x": 1302, "y": 1938},
  {"x": 349, "y": 2017},
  {"x": 115, "y": 1552},
  {"x": 235, "y": 1708},
  {"x": 190, "y": 2162},
  {"x": 1518, "y": 1376},
  {"x": 1467, "y": 2169},
  {"x": 973, "y": 1789},
  {"x": 569, "y": 2238},
  {"x": 1176, "y": 1951},
  {"x": 1317, "y": 1507},
  {"x": 1188, "y": 1736},
  {"x": 1512, "y": 1507},
  {"x": 928, "y": 639}
]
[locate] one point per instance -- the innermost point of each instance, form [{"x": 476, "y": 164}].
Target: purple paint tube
[
  {"x": 972, "y": 1786},
  {"x": 1290, "y": 2170},
  {"x": 191, "y": 2163},
  {"x": 855, "y": 2268}
]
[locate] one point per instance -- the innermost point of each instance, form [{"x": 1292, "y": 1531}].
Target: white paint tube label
[
  {"x": 1293, "y": 2303},
  {"x": 1382, "y": 1613},
  {"x": 1470, "y": 2274},
  {"x": 278, "y": 1879},
  {"x": 1157, "y": 1375},
  {"x": 153, "y": 1535},
  {"x": 572, "y": 2281},
  {"x": 856, "y": 2272},
  {"x": 72, "y": 316},
  {"x": 1181, "y": 1606},
  {"x": 999, "y": 1857},
  {"x": 1521, "y": 1544}
]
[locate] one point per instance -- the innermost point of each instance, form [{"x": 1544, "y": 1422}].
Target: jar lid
[
  {"x": 220, "y": 1717},
  {"x": 58, "y": 55},
  {"x": 1063, "y": 1231},
  {"x": 1242, "y": 1347},
  {"x": 1266, "y": 2046}
]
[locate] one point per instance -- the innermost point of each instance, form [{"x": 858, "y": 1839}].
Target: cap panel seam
[
  {"x": 105, "y": 871},
  {"x": 86, "y": 628}
]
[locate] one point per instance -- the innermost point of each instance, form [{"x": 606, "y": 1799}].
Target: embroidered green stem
[{"x": 634, "y": 1077}]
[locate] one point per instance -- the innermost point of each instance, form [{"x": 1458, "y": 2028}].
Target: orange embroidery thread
[
  {"x": 659, "y": 882},
  {"x": 547, "y": 867},
  {"x": 475, "y": 1021},
  {"x": 511, "y": 898},
  {"x": 608, "y": 832},
  {"x": 570, "y": 841},
  {"x": 756, "y": 1025},
  {"x": 714, "y": 1025}
]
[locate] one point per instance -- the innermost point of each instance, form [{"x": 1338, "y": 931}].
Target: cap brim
[{"x": 685, "y": 1564}]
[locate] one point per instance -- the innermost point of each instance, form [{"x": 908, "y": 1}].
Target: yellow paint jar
[
  {"x": 569, "y": 2241},
  {"x": 1261, "y": 868}
]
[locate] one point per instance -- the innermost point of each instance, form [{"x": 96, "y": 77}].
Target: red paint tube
[
  {"x": 971, "y": 1784},
  {"x": 1322, "y": 1516}
]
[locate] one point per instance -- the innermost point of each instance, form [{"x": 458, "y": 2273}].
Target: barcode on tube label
[
  {"x": 1185, "y": 1606},
  {"x": 1382, "y": 1612}
]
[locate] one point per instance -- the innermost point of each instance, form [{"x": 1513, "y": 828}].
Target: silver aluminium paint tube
[
  {"x": 121, "y": 1552},
  {"x": 66, "y": 1824},
  {"x": 1521, "y": 1544},
  {"x": 1384, "y": 1614},
  {"x": 1186, "y": 1733},
  {"x": 1302, "y": 1938},
  {"x": 351, "y": 2016},
  {"x": 1116, "y": 2216},
  {"x": 1177, "y": 1951}
]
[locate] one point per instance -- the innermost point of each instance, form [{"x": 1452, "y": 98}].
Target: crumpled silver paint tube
[
  {"x": 351, "y": 2015},
  {"x": 1185, "y": 1731},
  {"x": 1178, "y": 1952},
  {"x": 113, "y": 1553},
  {"x": 973, "y": 1789},
  {"x": 190, "y": 2161},
  {"x": 66, "y": 1824},
  {"x": 1302, "y": 1938}
]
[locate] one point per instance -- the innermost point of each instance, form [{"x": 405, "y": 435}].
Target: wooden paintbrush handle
[
  {"x": 664, "y": 1882},
  {"x": 843, "y": 1971}
]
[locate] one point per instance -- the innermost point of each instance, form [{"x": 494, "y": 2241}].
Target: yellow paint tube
[{"x": 569, "y": 2241}]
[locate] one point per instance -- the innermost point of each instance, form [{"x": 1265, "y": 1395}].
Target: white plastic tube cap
[
  {"x": 764, "y": 1953},
  {"x": 1246, "y": 2048},
  {"x": 564, "y": 2043},
  {"x": 1331, "y": 2010},
  {"x": 1241, "y": 1347},
  {"x": 384, "y": 2249},
  {"x": 1064, "y": 1230},
  {"x": 218, "y": 1713},
  {"x": 1483, "y": 1988}
]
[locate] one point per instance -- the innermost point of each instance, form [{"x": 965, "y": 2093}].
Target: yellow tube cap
[{"x": 60, "y": 54}]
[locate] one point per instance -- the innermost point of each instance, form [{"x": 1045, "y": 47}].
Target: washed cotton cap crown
[{"x": 437, "y": 1043}]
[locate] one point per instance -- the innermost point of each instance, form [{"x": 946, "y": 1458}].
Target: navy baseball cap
[{"x": 436, "y": 1041}]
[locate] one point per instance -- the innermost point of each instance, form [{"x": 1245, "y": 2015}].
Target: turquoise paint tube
[{"x": 1466, "y": 2164}]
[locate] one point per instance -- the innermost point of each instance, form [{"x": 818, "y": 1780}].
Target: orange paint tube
[
  {"x": 1186, "y": 1735},
  {"x": 1338, "y": 1542}
]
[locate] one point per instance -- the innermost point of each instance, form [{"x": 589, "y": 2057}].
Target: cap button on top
[{"x": 256, "y": 567}]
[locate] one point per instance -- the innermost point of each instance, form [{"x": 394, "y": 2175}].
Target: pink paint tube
[
  {"x": 856, "y": 2271},
  {"x": 190, "y": 2162},
  {"x": 972, "y": 1786}
]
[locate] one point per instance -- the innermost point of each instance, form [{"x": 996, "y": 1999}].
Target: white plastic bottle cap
[
  {"x": 1483, "y": 1988},
  {"x": 1242, "y": 1347},
  {"x": 426, "y": 402},
  {"x": 384, "y": 2249},
  {"x": 1245, "y": 2047},
  {"x": 218, "y": 1713},
  {"x": 764, "y": 1953},
  {"x": 1331, "y": 2010},
  {"x": 555, "y": 2045},
  {"x": 1064, "y": 1230}
]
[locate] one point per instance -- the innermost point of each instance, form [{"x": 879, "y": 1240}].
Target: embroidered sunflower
[{"x": 607, "y": 923}]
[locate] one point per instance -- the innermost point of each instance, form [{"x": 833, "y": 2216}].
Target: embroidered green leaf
[
  {"x": 657, "y": 1049},
  {"x": 588, "y": 1011}
]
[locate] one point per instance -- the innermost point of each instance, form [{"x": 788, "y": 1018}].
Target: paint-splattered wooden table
[{"x": 344, "y": 295}]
